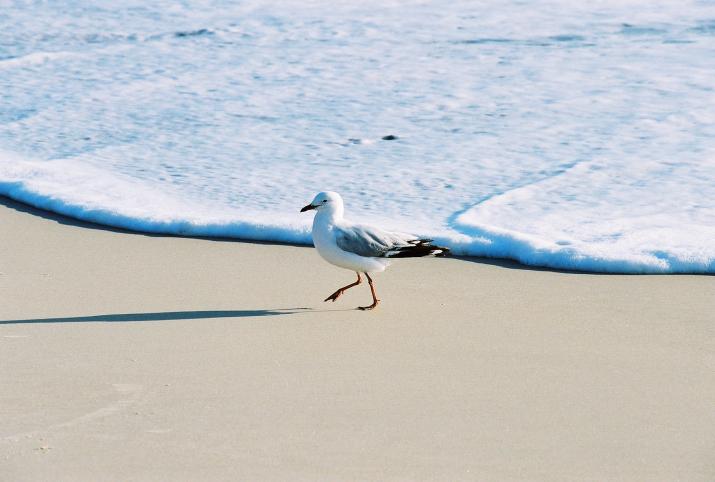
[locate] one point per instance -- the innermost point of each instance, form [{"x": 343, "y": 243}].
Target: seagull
[{"x": 359, "y": 247}]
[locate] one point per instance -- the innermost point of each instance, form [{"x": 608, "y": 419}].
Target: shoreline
[
  {"x": 185, "y": 229},
  {"x": 24, "y": 207},
  {"x": 149, "y": 357}
]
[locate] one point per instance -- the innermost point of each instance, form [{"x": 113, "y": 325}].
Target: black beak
[{"x": 308, "y": 208}]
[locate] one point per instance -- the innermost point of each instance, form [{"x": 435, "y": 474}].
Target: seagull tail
[{"x": 417, "y": 249}]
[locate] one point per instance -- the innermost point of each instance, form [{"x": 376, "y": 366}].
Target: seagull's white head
[{"x": 328, "y": 202}]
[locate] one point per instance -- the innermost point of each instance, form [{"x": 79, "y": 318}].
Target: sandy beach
[{"x": 134, "y": 357}]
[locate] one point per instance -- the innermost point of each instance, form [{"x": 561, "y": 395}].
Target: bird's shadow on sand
[{"x": 167, "y": 316}]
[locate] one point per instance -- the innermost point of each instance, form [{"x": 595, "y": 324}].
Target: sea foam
[{"x": 557, "y": 134}]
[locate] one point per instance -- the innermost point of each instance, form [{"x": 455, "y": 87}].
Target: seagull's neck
[{"x": 329, "y": 216}]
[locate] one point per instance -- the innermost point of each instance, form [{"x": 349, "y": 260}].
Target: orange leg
[
  {"x": 342, "y": 290},
  {"x": 375, "y": 301}
]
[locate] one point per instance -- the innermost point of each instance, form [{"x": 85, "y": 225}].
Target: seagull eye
[{"x": 325, "y": 200}]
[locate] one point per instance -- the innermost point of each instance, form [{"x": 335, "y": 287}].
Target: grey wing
[{"x": 367, "y": 240}]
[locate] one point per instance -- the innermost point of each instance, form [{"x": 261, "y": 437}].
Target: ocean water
[{"x": 575, "y": 135}]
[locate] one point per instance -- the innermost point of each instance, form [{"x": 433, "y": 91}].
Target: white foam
[
  {"x": 35, "y": 58},
  {"x": 563, "y": 134},
  {"x": 84, "y": 192}
]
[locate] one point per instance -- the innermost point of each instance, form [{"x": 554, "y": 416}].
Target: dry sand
[{"x": 133, "y": 357}]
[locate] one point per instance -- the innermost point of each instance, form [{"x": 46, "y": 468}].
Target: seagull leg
[
  {"x": 342, "y": 290},
  {"x": 375, "y": 301}
]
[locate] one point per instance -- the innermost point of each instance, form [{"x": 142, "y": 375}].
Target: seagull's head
[{"x": 325, "y": 201}]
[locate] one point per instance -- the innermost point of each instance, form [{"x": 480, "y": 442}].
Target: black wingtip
[{"x": 417, "y": 249}]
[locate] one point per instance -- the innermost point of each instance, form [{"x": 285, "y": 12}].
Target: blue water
[{"x": 574, "y": 135}]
